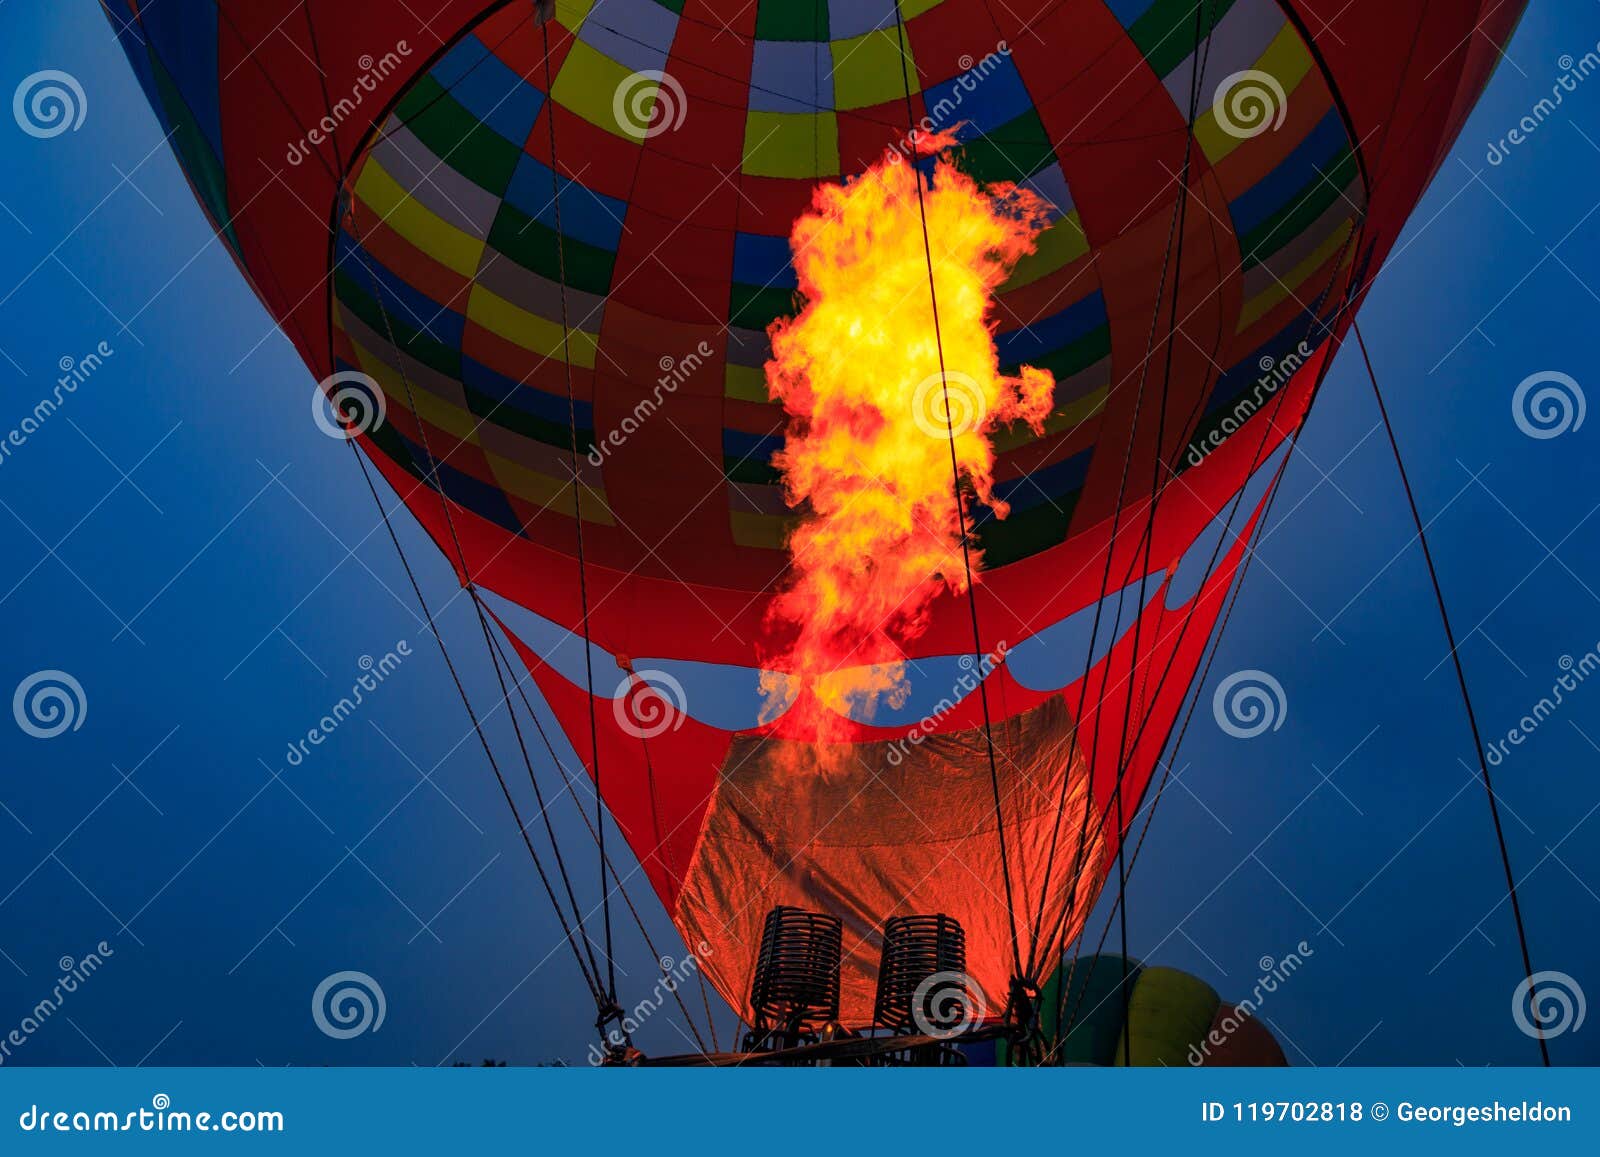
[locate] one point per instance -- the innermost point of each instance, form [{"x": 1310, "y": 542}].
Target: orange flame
[{"x": 872, "y": 418}]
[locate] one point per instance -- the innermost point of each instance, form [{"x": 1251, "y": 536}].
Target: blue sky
[{"x": 185, "y": 543}]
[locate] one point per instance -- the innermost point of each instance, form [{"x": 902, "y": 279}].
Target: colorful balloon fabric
[{"x": 538, "y": 247}]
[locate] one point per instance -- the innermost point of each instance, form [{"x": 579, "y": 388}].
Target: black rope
[
  {"x": 1216, "y": 552},
  {"x": 588, "y": 968},
  {"x": 577, "y": 511},
  {"x": 498, "y": 655},
  {"x": 591, "y": 981},
  {"x": 1466, "y": 695},
  {"x": 961, "y": 515},
  {"x": 1197, "y": 69},
  {"x": 1174, "y": 245}
]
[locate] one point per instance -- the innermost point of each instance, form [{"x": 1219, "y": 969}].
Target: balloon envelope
[{"x": 557, "y": 247}]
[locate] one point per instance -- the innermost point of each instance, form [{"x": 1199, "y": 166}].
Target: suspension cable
[
  {"x": 577, "y": 507},
  {"x": 586, "y": 967},
  {"x": 961, "y": 517},
  {"x": 498, "y": 655},
  {"x": 1174, "y": 245},
  {"x": 1466, "y": 695},
  {"x": 566, "y": 929}
]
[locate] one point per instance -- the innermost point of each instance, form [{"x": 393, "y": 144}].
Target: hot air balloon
[
  {"x": 1169, "y": 1018},
  {"x": 550, "y": 263}
]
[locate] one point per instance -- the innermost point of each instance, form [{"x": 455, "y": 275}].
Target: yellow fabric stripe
[
  {"x": 1259, "y": 305},
  {"x": 763, "y": 530},
  {"x": 1059, "y": 245},
  {"x": 1069, "y": 417},
  {"x": 430, "y": 408},
  {"x": 746, "y": 383},
  {"x": 550, "y": 493},
  {"x": 1287, "y": 61},
  {"x": 528, "y": 330},
  {"x": 588, "y": 84},
  {"x": 440, "y": 240}
]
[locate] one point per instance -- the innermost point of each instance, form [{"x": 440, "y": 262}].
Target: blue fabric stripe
[
  {"x": 1291, "y": 176},
  {"x": 1053, "y": 333}
]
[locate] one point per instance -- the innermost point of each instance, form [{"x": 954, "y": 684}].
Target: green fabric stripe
[
  {"x": 1303, "y": 209},
  {"x": 510, "y": 417},
  {"x": 751, "y": 471},
  {"x": 1075, "y": 357},
  {"x": 1097, "y": 1031},
  {"x": 756, "y": 307},
  {"x": 1017, "y": 149},
  {"x": 533, "y": 246},
  {"x": 1027, "y": 532},
  {"x": 200, "y": 164},
  {"x": 430, "y": 352},
  {"x": 458, "y": 138},
  {"x": 805, "y": 20},
  {"x": 388, "y": 440},
  {"x": 1166, "y": 32}
]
